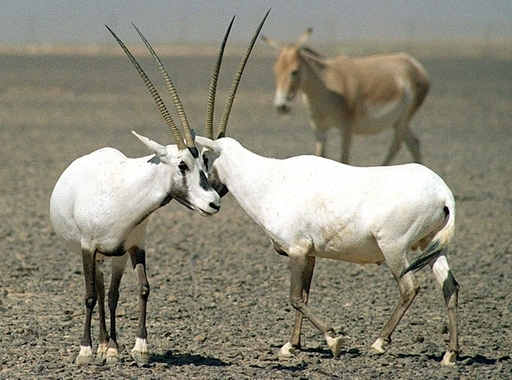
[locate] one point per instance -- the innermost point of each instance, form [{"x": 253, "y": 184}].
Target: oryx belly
[{"x": 349, "y": 246}]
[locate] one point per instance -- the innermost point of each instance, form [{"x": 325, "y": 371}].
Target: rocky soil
[{"x": 219, "y": 305}]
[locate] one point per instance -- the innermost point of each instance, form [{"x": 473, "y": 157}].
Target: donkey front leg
[
  {"x": 140, "y": 352},
  {"x": 301, "y": 272}
]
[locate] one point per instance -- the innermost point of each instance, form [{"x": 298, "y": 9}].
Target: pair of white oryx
[
  {"x": 309, "y": 206},
  {"x": 363, "y": 95}
]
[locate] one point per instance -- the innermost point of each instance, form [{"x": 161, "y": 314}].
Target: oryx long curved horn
[
  {"x": 208, "y": 126},
  {"x": 159, "y": 102},
  {"x": 234, "y": 86},
  {"x": 172, "y": 91}
]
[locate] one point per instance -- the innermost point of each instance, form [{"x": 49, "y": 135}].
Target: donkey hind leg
[
  {"x": 118, "y": 265},
  {"x": 289, "y": 348},
  {"x": 140, "y": 352},
  {"x": 346, "y": 141},
  {"x": 90, "y": 267},
  {"x": 450, "y": 287},
  {"x": 413, "y": 144},
  {"x": 408, "y": 288},
  {"x": 299, "y": 265}
]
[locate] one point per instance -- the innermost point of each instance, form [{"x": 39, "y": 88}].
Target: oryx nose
[{"x": 215, "y": 206}]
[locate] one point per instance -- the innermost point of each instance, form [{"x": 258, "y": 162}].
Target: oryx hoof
[
  {"x": 377, "y": 347},
  {"x": 334, "y": 345},
  {"x": 287, "y": 351},
  {"x": 449, "y": 359},
  {"x": 141, "y": 358},
  {"x": 85, "y": 356},
  {"x": 112, "y": 356}
]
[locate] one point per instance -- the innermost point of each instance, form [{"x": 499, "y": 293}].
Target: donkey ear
[
  {"x": 304, "y": 37},
  {"x": 156, "y": 148},
  {"x": 272, "y": 42}
]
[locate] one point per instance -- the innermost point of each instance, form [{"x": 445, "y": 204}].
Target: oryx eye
[
  {"x": 183, "y": 166},
  {"x": 294, "y": 73}
]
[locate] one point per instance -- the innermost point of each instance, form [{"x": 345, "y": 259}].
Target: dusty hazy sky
[{"x": 82, "y": 22}]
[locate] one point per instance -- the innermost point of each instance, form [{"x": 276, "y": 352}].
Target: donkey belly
[{"x": 377, "y": 118}]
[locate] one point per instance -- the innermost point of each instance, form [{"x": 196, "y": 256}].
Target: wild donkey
[
  {"x": 363, "y": 95},
  {"x": 100, "y": 208}
]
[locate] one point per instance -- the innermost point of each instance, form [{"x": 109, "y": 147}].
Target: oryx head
[
  {"x": 208, "y": 150},
  {"x": 287, "y": 70},
  {"x": 189, "y": 184}
]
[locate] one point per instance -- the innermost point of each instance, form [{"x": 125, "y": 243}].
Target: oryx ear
[
  {"x": 156, "y": 148},
  {"x": 193, "y": 134}
]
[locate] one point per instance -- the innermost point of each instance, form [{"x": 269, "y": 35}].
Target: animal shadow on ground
[{"x": 186, "y": 359}]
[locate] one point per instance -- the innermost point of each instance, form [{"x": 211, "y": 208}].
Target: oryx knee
[
  {"x": 450, "y": 290},
  {"x": 90, "y": 302},
  {"x": 144, "y": 291}
]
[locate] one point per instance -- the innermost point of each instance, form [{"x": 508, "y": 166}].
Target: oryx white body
[
  {"x": 362, "y": 95},
  {"x": 313, "y": 207},
  {"x": 100, "y": 208}
]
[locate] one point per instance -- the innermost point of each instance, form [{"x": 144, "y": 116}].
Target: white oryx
[
  {"x": 363, "y": 95},
  {"x": 101, "y": 204},
  {"x": 314, "y": 207}
]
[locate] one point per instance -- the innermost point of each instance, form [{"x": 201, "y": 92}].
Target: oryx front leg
[
  {"x": 118, "y": 265},
  {"x": 408, "y": 288},
  {"x": 301, "y": 273},
  {"x": 450, "y": 288},
  {"x": 140, "y": 352},
  {"x": 90, "y": 266},
  {"x": 288, "y": 349}
]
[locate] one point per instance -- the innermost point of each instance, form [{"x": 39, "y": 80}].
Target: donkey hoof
[
  {"x": 287, "y": 351},
  {"x": 334, "y": 345}
]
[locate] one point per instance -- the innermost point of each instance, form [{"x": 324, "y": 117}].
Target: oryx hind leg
[
  {"x": 90, "y": 266},
  {"x": 103, "y": 337},
  {"x": 140, "y": 352},
  {"x": 408, "y": 288},
  {"x": 450, "y": 287}
]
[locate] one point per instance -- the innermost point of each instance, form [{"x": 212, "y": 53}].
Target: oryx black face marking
[{"x": 203, "y": 181}]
